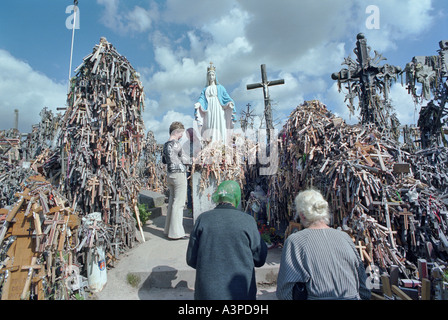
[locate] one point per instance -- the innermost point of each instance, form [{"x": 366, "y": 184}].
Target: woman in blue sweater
[{"x": 224, "y": 248}]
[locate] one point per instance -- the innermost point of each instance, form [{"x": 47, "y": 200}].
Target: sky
[{"x": 171, "y": 43}]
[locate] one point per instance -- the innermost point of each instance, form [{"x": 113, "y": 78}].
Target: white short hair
[{"x": 313, "y": 206}]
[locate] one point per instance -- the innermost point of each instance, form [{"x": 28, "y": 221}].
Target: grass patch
[{"x": 133, "y": 280}]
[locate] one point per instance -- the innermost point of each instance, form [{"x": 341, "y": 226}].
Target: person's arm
[
  {"x": 183, "y": 157},
  {"x": 164, "y": 154},
  {"x": 290, "y": 272},
  {"x": 259, "y": 250},
  {"x": 193, "y": 246}
]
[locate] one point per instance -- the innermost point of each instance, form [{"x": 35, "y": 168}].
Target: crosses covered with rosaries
[
  {"x": 370, "y": 83},
  {"x": 431, "y": 72}
]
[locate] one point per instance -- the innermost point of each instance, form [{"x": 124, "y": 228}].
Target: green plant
[
  {"x": 264, "y": 233},
  {"x": 266, "y": 238},
  {"x": 79, "y": 297},
  {"x": 144, "y": 213},
  {"x": 133, "y": 279}
]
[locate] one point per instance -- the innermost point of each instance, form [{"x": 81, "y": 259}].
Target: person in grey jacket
[
  {"x": 176, "y": 178},
  {"x": 224, "y": 248}
]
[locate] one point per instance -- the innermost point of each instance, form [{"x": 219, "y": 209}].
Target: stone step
[{"x": 151, "y": 198}]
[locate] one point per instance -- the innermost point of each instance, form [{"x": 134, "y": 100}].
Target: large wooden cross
[
  {"x": 54, "y": 223},
  {"x": 265, "y": 84},
  {"x": 117, "y": 202},
  {"x": 93, "y": 183}
]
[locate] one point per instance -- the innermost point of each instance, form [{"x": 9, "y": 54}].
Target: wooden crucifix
[
  {"x": 117, "y": 202},
  {"x": 265, "y": 84},
  {"x": 361, "y": 248},
  {"x": 54, "y": 223},
  {"x": 93, "y": 183},
  {"x": 405, "y": 213}
]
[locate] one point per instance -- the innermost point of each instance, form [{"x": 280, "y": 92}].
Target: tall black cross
[
  {"x": 365, "y": 78},
  {"x": 265, "y": 84}
]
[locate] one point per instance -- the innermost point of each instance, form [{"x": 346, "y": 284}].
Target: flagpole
[{"x": 75, "y": 9}]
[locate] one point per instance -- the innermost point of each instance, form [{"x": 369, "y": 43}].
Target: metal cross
[
  {"x": 247, "y": 118},
  {"x": 365, "y": 78}
]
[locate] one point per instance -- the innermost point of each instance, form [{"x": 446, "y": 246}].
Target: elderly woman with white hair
[{"x": 319, "y": 259}]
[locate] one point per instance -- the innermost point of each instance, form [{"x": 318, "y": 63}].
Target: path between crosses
[{"x": 160, "y": 266}]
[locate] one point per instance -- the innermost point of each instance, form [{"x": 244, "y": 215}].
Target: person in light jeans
[{"x": 176, "y": 161}]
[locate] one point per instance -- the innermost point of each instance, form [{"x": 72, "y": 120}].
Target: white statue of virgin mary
[{"x": 215, "y": 110}]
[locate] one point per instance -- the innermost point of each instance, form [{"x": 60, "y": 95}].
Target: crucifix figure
[
  {"x": 265, "y": 84},
  {"x": 366, "y": 79}
]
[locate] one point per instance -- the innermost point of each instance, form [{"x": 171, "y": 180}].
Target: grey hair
[{"x": 313, "y": 206}]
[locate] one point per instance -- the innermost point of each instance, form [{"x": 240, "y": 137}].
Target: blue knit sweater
[{"x": 224, "y": 248}]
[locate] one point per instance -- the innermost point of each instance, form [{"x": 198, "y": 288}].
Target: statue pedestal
[{"x": 202, "y": 199}]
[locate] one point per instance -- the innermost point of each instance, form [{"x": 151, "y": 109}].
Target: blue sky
[{"x": 171, "y": 42}]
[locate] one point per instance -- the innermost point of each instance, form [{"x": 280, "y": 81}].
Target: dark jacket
[
  {"x": 224, "y": 248},
  {"x": 173, "y": 156}
]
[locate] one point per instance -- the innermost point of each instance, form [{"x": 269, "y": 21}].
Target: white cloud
[
  {"x": 228, "y": 27},
  {"x": 136, "y": 20},
  {"x": 160, "y": 127},
  {"x": 27, "y": 90},
  {"x": 400, "y": 19},
  {"x": 336, "y": 104},
  {"x": 403, "y": 104},
  {"x": 282, "y": 33},
  {"x": 176, "y": 81},
  {"x": 195, "y": 13},
  {"x": 320, "y": 60},
  {"x": 301, "y": 41}
]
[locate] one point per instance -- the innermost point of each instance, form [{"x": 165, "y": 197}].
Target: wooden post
[
  {"x": 137, "y": 215},
  {"x": 387, "y": 291},
  {"x": 30, "y": 268},
  {"x": 426, "y": 289},
  {"x": 400, "y": 293}
]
